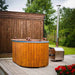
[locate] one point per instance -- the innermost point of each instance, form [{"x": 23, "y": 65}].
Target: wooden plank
[
  {"x": 28, "y": 29},
  {"x": 41, "y": 29},
  {"x": 13, "y": 69},
  {"x": 5, "y": 55},
  {"x": 21, "y": 15}
]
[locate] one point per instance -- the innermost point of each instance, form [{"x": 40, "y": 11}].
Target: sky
[{"x": 17, "y": 5}]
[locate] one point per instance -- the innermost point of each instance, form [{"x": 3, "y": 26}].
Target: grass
[{"x": 67, "y": 50}]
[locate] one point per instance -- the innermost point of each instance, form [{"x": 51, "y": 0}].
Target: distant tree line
[
  {"x": 3, "y": 6},
  {"x": 67, "y": 27}
]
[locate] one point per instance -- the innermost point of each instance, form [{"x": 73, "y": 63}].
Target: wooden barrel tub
[{"x": 33, "y": 53}]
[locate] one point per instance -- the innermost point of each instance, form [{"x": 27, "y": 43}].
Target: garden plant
[{"x": 65, "y": 70}]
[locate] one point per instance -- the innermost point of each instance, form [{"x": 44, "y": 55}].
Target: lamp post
[{"x": 58, "y": 18}]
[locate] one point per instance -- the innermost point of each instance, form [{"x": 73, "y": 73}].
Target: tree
[
  {"x": 29, "y": 2},
  {"x": 67, "y": 28},
  {"x": 3, "y": 6},
  {"x": 42, "y": 7}
]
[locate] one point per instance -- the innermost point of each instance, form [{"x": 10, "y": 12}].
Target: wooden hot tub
[{"x": 32, "y": 53}]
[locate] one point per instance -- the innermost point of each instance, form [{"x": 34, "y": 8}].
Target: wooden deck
[
  {"x": 13, "y": 69},
  {"x": 5, "y": 55}
]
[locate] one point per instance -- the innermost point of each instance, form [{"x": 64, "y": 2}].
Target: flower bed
[{"x": 65, "y": 70}]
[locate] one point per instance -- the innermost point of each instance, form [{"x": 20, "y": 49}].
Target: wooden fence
[{"x": 19, "y": 25}]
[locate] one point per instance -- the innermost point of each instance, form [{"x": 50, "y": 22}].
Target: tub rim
[{"x": 24, "y": 41}]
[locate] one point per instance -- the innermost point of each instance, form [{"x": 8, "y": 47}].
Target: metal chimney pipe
[{"x": 58, "y": 18}]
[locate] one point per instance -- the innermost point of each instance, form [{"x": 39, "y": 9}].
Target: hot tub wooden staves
[{"x": 30, "y": 53}]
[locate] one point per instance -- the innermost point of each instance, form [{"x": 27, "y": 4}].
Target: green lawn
[{"x": 68, "y": 50}]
